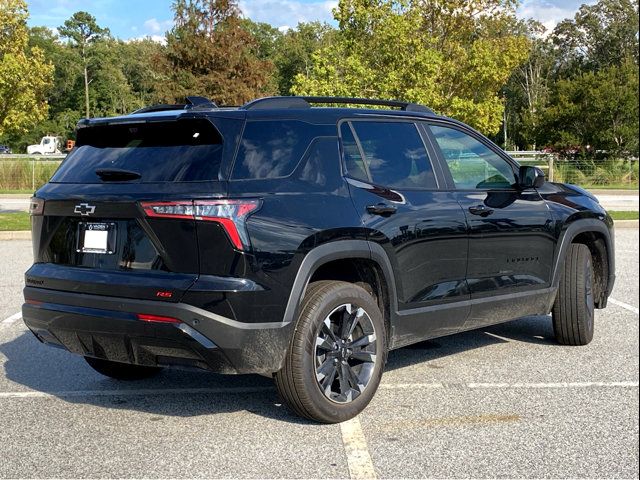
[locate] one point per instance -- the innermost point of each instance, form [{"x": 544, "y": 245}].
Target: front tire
[
  {"x": 573, "y": 310},
  {"x": 122, "y": 371},
  {"x": 336, "y": 355}
]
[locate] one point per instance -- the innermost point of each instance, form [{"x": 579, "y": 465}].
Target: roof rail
[
  {"x": 305, "y": 102},
  {"x": 191, "y": 102},
  {"x": 276, "y": 102}
]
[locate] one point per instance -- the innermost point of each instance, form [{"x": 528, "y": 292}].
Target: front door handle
[
  {"x": 480, "y": 210},
  {"x": 382, "y": 209}
]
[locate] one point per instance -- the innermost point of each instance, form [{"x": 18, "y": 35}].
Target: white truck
[{"x": 49, "y": 145}]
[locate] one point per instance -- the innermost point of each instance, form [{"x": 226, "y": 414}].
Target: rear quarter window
[{"x": 274, "y": 148}]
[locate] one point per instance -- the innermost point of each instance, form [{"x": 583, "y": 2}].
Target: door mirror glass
[{"x": 530, "y": 177}]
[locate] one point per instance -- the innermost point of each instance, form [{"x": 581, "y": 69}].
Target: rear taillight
[
  {"x": 230, "y": 214},
  {"x": 36, "y": 207}
]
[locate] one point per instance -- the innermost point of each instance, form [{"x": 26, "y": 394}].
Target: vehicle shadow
[
  {"x": 179, "y": 392},
  {"x": 536, "y": 330}
]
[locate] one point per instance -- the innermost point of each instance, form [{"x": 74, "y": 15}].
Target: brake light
[
  {"x": 230, "y": 214},
  {"x": 157, "y": 318},
  {"x": 36, "y": 207}
]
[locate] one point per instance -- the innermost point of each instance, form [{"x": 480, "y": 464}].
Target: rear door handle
[
  {"x": 480, "y": 210},
  {"x": 381, "y": 209}
]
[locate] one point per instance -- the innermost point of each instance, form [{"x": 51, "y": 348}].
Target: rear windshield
[{"x": 181, "y": 151}]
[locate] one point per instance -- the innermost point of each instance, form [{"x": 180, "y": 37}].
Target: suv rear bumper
[{"x": 108, "y": 328}]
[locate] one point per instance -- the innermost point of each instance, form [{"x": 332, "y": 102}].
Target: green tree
[
  {"x": 266, "y": 37},
  {"x": 598, "y": 109},
  {"x": 112, "y": 92},
  {"x": 527, "y": 92},
  {"x": 599, "y": 36},
  {"x": 210, "y": 53},
  {"x": 295, "y": 49},
  {"x": 83, "y": 32},
  {"x": 452, "y": 55},
  {"x": 66, "y": 92},
  {"x": 145, "y": 66},
  {"x": 25, "y": 75}
]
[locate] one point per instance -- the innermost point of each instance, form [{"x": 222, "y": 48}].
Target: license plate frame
[{"x": 97, "y": 237}]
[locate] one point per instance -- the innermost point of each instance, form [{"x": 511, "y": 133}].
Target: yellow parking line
[{"x": 355, "y": 446}]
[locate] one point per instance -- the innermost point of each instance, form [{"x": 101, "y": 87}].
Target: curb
[
  {"x": 614, "y": 193},
  {"x": 16, "y": 196},
  {"x": 625, "y": 223},
  {"x": 20, "y": 235}
]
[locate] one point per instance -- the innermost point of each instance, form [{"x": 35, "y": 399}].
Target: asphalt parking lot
[{"x": 505, "y": 401}]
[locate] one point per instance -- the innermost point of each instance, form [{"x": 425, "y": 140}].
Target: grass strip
[{"x": 14, "y": 222}]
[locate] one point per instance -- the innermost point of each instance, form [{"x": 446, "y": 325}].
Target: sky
[{"x": 128, "y": 19}]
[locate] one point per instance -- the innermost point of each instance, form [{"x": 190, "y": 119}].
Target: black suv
[{"x": 301, "y": 243}]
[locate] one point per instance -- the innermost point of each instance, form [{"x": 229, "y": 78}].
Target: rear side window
[
  {"x": 181, "y": 151},
  {"x": 274, "y": 148},
  {"x": 394, "y": 154}
]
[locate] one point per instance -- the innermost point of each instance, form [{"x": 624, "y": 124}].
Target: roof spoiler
[{"x": 191, "y": 102}]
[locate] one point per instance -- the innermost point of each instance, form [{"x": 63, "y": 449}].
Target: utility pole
[{"x": 504, "y": 123}]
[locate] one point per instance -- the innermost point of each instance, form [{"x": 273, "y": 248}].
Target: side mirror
[{"x": 530, "y": 177}]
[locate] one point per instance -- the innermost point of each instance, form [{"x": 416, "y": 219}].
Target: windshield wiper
[{"x": 114, "y": 175}]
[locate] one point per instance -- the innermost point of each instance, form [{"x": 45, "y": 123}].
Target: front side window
[
  {"x": 472, "y": 164},
  {"x": 394, "y": 154}
]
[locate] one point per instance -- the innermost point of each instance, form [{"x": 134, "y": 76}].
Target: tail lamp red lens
[
  {"x": 230, "y": 214},
  {"x": 157, "y": 318}
]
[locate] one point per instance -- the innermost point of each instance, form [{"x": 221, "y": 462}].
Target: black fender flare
[
  {"x": 338, "y": 250},
  {"x": 574, "y": 229}
]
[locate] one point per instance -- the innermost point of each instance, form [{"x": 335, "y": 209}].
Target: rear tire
[
  {"x": 121, "y": 371},
  {"x": 573, "y": 310},
  {"x": 336, "y": 355}
]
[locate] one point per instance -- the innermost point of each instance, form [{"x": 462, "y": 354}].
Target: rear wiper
[{"x": 114, "y": 175}]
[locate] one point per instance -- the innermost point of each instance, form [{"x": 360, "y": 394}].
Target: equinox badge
[{"x": 84, "y": 209}]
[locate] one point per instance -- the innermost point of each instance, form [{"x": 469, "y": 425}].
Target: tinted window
[
  {"x": 473, "y": 165},
  {"x": 272, "y": 149},
  {"x": 353, "y": 161},
  {"x": 395, "y": 154},
  {"x": 182, "y": 151}
]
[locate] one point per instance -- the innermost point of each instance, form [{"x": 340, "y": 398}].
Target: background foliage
[{"x": 573, "y": 90}]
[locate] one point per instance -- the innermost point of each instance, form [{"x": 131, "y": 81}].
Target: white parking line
[
  {"x": 231, "y": 390},
  {"x": 355, "y": 447},
  {"x": 132, "y": 393},
  {"x": 474, "y": 385},
  {"x": 631, "y": 308},
  {"x": 555, "y": 385},
  {"x": 12, "y": 319}
]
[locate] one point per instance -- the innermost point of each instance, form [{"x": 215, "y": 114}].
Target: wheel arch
[
  {"x": 349, "y": 260},
  {"x": 598, "y": 237}
]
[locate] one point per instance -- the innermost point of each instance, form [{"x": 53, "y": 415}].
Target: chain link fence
[
  {"x": 612, "y": 173},
  {"x": 25, "y": 174}
]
